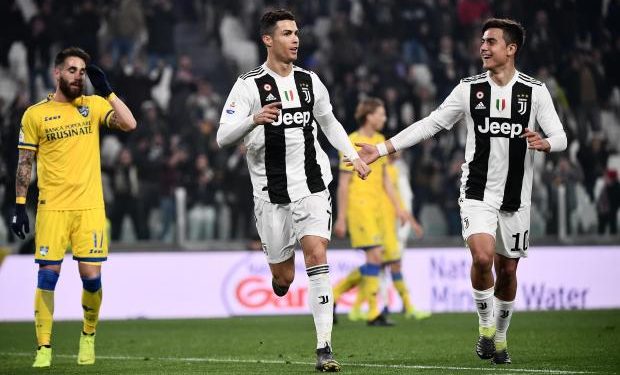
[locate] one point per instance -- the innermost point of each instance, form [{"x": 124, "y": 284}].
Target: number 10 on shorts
[{"x": 526, "y": 241}]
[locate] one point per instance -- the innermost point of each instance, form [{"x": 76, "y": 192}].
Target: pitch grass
[{"x": 560, "y": 342}]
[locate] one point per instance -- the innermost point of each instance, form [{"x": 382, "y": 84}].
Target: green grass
[{"x": 559, "y": 342}]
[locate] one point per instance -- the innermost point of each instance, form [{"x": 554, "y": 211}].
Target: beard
[{"x": 69, "y": 91}]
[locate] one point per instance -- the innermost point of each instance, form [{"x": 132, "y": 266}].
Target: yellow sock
[
  {"x": 403, "y": 292},
  {"x": 370, "y": 287},
  {"x": 353, "y": 279},
  {"x": 91, "y": 302},
  {"x": 43, "y": 315},
  {"x": 360, "y": 297}
]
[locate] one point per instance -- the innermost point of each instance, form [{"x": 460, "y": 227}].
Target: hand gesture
[
  {"x": 268, "y": 114},
  {"x": 368, "y": 153},
  {"x": 99, "y": 80},
  {"x": 19, "y": 222},
  {"x": 362, "y": 169},
  {"x": 535, "y": 141}
]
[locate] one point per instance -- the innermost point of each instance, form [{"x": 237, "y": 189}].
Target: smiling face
[
  {"x": 494, "y": 51},
  {"x": 283, "y": 43},
  {"x": 70, "y": 77}
]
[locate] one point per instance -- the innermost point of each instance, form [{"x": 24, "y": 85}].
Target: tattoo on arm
[
  {"x": 24, "y": 171},
  {"x": 114, "y": 122}
]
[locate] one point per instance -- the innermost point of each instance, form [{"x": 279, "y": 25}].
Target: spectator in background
[
  {"x": 127, "y": 197},
  {"x": 608, "y": 203},
  {"x": 201, "y": 200},
  {"x": 241, "y": 204},
  {"x": 127, "y": 27},
  {"x": 38, "y": 43},
  {"x": 593, "y": 157},
  {"x": 12, "y": 29},
  {"x": 160, "y": 22},
  {"x": 85, "y": 27}
]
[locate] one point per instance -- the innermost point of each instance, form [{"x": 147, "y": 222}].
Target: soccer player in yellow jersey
[
  {"x": 395, "y": 237},
  {"x": 62, "y": 133},
  {"x": 360, "y": 209}
]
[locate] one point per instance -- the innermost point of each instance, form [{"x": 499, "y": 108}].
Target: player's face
[
  {"x": 377, "y": 118},
  {"x": 70, "y": 76},
  {"x": 285, "y": 41},
  {"x": 493, "y": 49}
]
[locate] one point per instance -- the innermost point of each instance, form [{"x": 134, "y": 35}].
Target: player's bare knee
[
  {"x": 482, "y": 261},
  {"x": 284, "y": 279}
]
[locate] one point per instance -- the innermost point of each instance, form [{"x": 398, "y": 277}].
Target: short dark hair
[
  {"x": 71, "y": 52},
  {"x": 269, "y": 19},
  {"x": 513, "y": 31},
  {"x": 366, "y": 107}
]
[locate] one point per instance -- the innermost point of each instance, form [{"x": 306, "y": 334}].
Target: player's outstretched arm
[
  {"x": 121, "y": 118},
  {"x": 19, "y": 222}
]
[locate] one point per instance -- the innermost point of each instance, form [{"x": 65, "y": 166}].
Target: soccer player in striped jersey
[
  {"x": 276, "y": 109},
  {"x": 500, "y": 109},
  {"x": 62, "y": 132}
]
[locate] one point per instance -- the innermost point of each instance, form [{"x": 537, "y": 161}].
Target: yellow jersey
[
  {"x": 65, "y": 137},
  {"x": 372, "y": 187}
]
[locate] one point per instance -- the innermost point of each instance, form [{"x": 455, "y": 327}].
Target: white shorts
[
  {"x": 280, "y": 226},
  {"x": 514, "y": 227}
]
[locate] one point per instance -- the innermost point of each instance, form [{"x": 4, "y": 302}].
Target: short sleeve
[
  {"x": 104, "y": 111},
  {"x": 322, "y": 105},
  {"x": 29, "y": 132}
]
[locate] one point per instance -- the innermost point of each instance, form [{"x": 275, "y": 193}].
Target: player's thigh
[
  {"x": 312, "y": 216},
  {"x": 364, "y": 224},
  {"x": 274, "y": 226},
  {"x": 51, "y": 237},
  {"x": 514, "y": 230},
  {"x": 477, "y": 217},
  {"x": 89, "y": 238}
]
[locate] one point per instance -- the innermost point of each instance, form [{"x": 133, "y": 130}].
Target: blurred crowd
[{"x": 173, "y": 62}]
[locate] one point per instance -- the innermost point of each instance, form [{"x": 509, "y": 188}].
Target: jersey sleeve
[
  {"x": 238, "y": 104},
  {"x": 29, "y": 132},
  {"x": 322, "y": 104},
  {"x": 452, "y": 108},
  {"x": 549, "y": 121},
  {"x": 104, "y": 111}
]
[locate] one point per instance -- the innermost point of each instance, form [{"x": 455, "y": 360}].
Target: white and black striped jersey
[
  {"x": 285, "y": 160},
  {"x": 498, "y": 166}
]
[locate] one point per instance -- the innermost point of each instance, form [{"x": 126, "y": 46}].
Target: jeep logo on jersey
[
  {"x": 497, "y": 127},
  {"x": 293, "y": 119}
]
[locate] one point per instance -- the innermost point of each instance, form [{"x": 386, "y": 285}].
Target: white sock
[
  {"x": 503, "y": 313},
  {"x": 484, "y": 306},
  {"x": 321, "y": 302}
]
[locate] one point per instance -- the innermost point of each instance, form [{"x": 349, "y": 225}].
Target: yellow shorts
[
  {"x": 391, "y": 247},
  {"x": 365, "y": 226},
  {"x": 83, "y": 230}
]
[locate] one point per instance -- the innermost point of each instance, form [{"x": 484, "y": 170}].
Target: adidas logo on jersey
[
  {"x": 480, "y": 106},
  {"x": 270, "y": 98}
]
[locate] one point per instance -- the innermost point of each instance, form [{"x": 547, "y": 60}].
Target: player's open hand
[
  {"x": 268, "y": 114},
  {"x": 362, "y": 169},
  {"x": 535, "y": 141},
  {"x": 368, "y": 153},
  {"x": 99, "y": 80}
]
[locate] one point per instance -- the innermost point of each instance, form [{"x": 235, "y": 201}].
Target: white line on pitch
[{"x": 282, "y": 362}]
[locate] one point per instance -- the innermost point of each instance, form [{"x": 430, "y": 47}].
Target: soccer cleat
[
  {"x": 485, "y": 347},
  {"x": 355, "y": 315},
  {"x": 43, "y": 357},
  {"x": 280, "y": 291},
  {"x": 325, "y": 361},
  {"x": 86, "y": 355},
  {"x": 380, "y": 321},
  {"x": 417, "y": 314},
  {"x": 501, "y": 358}
]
